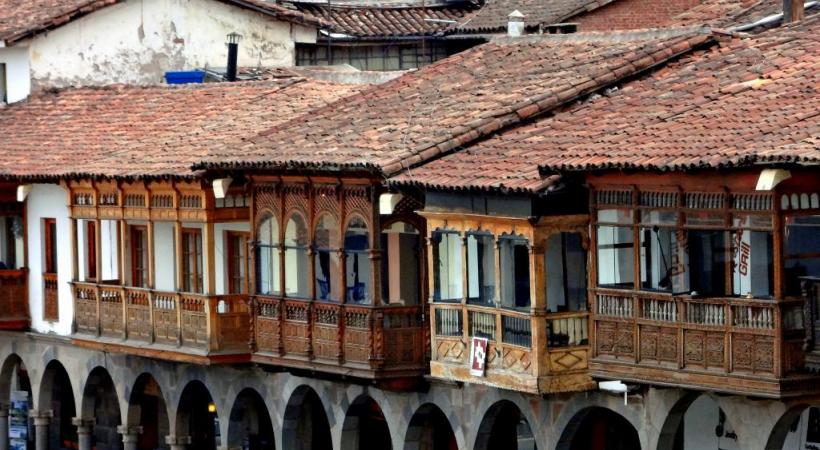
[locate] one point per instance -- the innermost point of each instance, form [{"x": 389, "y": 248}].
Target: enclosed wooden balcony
[
  {"x": 375, "y": 342},
  {"x": 811, "y": 311},
  {"x": 196, "y": 328},
  {"x": 14, "y": 311}
]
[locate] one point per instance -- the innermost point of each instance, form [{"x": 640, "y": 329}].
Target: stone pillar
[
  {"x": 4, "y": 427},
  {"x": 178, "y": 442},
  {"x": 85, "y": 429},
  {"x": 41, "y": 421},
  {"x": 130, "y": 436}
]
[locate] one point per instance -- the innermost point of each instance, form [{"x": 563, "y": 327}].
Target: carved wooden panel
[
  {"x": 404, "y": 346},
  {"x": 233, "y": 330},
  {"x": 295, "y": 336},
  {"x": 561, "y": 361},
  {"x": 111, "y": 313},
  {"x": 357, "y": 345},
  {"x": 615, "y": 339},
  {"x": 357, "y": 200},
  {"x": 267, "y": 334},
  {"x": 296, "y": 199},
  {"x": 516, "y": 360},
  {"x": 85, "y": 309},
  {"x": 266, "y": 197},
  {"x": 165, "y": 319},
  {"x": 326, "y": 200},
  {"x": 752, "y": 353},
  {"x": 51, "y": 309},
  {"x": 703, "y": 349},
  {"x": 194, "y": 328},
  {"x": 13, "y": 296},
  {"x": 138, "y": 315},
  {"x": 326, "y": 331},
  {"x": 658, "y": 343}
]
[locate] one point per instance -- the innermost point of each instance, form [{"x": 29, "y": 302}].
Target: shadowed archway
[
  {"x": 101, "y": 404},
  {"x": 147, "y": 408},
  {"x": 696, "y": 421},
  {"x": 57, "y": 396},
  {"x": 798, "y": 428},
  {"x": 503, "y": 426},
  {"x": 306, "y": 426},
  {"x": 250, "y": 425},
  {"x": 430, "y": 429},
  {"x": 365, "y": 426},
  {"x": 197, "y": 417},
  {"x": 598, "y": 428}
]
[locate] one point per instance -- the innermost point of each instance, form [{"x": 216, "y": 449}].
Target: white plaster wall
[
  {"x": 137, "y": 41},
  {"x": 164, "y": 257},
  {"x": 221, "y": 252},
  {"x": 18, "y": 79},
  {"x": 49, "y": 201},
  {"x": 699, "y": 425}
]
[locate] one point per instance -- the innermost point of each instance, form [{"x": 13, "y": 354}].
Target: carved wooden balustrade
[
  {"x": 529, "y": 352},
  {"x": 361, "y": 340},
  {"x": 811, "y": 317},
  {"x": 135, "y": 317},
  {"x": 14, "y": 314},
  {"x": 728, "y": 344}
]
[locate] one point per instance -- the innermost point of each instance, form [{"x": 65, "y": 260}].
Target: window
[
  {"x": 237, "y": 253},
  {"x": 447, "y": 274},
  {"x": 296, "y": 257},
  {"x": 139, "y": 256},
  {"x": 707, "y": 262},
  {"x": 615, "y": 249},
  {"x": 801, "y": 250},
  {"x": 400, "y": 266},
  {"x": 357, "y": 261},
  {"x": 192, "y": 260},
  {"x": 11, "y": 240},
  {"x": 480, "y": 268},
  {"x": 50, "y": 245},
  {"x": 566, "y": 270},
  {"x": 267, "y": 257},
  {"x": 515, "y": 271},
  {"x": 91, "y": 250},
  {"x": 752, "y": 257},
  {"x": 326, "y": 261},
  {"x": 3, "y": 96}
]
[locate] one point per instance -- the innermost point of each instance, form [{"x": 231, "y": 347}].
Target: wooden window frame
[
  {"x": 51, "y": 311},
  {"x": 91, "y": 249},
  {"x": 192, "y": 278},
  {"x": 237, "y": 284},
  {"x": 139, "y": 272},
  {"x": 49, "y": 244}
]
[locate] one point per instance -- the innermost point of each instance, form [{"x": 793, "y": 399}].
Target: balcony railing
[
  {"x": 144, "y": 316},
  {"x": 526, "y": 351},
  {"x": 340, "y": 337},
  {"x": 811, "y": 318},
  {"x": 14, "y": 313},
  {"x": 705, "y": 337}
]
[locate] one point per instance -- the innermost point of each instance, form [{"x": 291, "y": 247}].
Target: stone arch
[
  {"x": 101, "y": 408},
  {"x": 306, "y": 426},
  {"x": 365, "y": 426},
  {"x": 715, "y": 427},
  {"x": 249, "y": 422},
  {"x": 147, "y": 409},
  {"x": 599, "y": 428},
  {"x": 429, "y": 429},
  {"x": 14, "y": 377},
  {"x": 794, "y": 428},
  {"x": 56, "y": 396},
  {"x": 504, "y": 426},
  {"x": 196, "y": 417}
]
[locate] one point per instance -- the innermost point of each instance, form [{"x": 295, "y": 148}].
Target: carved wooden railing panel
[
  {"x": 326, "y": 337},
  {"x": 13, "y": 295},
  {"x": 358, "y": 339},
  {"x": 85, "y": 307},
  {"x": 267, "y": 324},
  {"x": 111, "y": 323},
  {"x": 51, "y": 308},
  {"x": 232, "y": 318},
  {"x": 404, "y": 335},
  {"x": 811, "y": 311},
  {"x": 194, "y": 309},
  {"x": 166, "y": 329},
  {"x": 296, "y": 327},
  {"x": 138, "y": 314}
]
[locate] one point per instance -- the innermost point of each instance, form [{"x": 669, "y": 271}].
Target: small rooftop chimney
[
  {"x": 793, "y": 11},
  {"x": 515, "y": 24},
  {"x": 233, "y": 51}
]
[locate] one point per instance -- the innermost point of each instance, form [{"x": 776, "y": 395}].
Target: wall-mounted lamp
[{"x": 211, "y": 408}]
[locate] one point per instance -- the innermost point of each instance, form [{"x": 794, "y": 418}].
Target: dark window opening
[
  {"x": 192, "y": 260},
  {"x": 139, "y": 256},
  {"x": 515, "y": 272},
  {"x": 357, "y": 262},
  {"x": 801, "y": 251},
  {"x": 480, "y": 268},
  {"x": 566, "y": 273},
  {"x": 447, "y": 275},
  {"x": 707, "y": 262}
]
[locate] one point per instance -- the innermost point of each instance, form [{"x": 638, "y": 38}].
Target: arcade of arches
[{"x": 81, "y": 399}]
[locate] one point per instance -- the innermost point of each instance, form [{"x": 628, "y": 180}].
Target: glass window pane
[
  {"x": 447, "y": 266},
  {"x": 296, "y": 258},
  {"x": 802, "y": 250},
  {"x": 515, "y": 272},
  {"x": 621, "y": 216},
  {"x": 480, "y": 268},
  {"x": 326, "y": 261},
  {"x": 752, "y": 264},
  {"x": 707, "y": 262},
  {"x": 615, "y": 257},
  {"x": 357, "y": 261},
  {"x": 660, "y": 258},
  {"x": 566, "y": 273},
  {"x": 400, "y": 265}
]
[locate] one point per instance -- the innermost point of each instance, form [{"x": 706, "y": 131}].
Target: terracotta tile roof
[
  {"x": 729, "y": 13},
  {"x": 748, "y": 101},
  {"x": 455, "y": 101},
  {"x": 129, "y": 131},
  {"x": 20, "y": 19},
  {"x": 388, "y": 21},
  {"x": 492, "y": 17}
]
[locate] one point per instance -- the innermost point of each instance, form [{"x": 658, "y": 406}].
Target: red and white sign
[{"x": 478, "y": 356}]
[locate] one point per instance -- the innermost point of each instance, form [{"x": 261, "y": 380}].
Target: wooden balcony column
[
  {"x": 499, "y": 322},
  {"x": 340, "y": 334},
  {"x": 465, "y": 288},
  {"x": 211, "y": 301},
  {"x": 538, "y": 294}
]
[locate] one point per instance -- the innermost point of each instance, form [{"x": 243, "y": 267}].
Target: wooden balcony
[
  {"x": 171, "y": 325},
  {"x": 373, "y": 342},
  {"x": 811, "y": 311},
  {"x": 14, "y": 314},
  {"x": 535, "y": 353},
  {"x": 733, "y": 345}
]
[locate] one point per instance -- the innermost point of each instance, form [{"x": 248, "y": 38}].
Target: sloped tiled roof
[
  {"x": 20, "y": 19},
  {"x": 492, "y": 17},
  {"x": 749, "y": 101},
  {"x": 131, "y": 131},
  {"x": 734, "y": 13},
  {"x": 389, "y": 21},
  {"x": 441, "y": 107}
]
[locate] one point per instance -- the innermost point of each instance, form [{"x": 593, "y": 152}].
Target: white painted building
[{"x": 137, "y": 41}]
